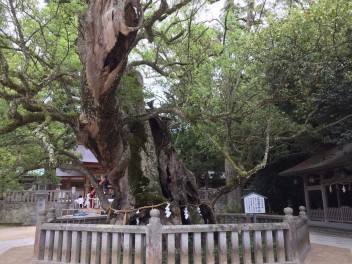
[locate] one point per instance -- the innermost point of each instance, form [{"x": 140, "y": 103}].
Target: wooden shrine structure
[
  {"x": 327, "y": 180},
  {"x": 69, "y": 179}
]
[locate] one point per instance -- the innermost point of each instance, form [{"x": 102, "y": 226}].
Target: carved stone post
[
  {"x": 154, "y": 238},
  {"x": 293, "y": 242},
  {"x": 302, "y": 212},
  {"x": 40, "y": 220},
  {"x": 288, "y": 213},
  {"x": 41, "y": 197},
  {"x": 50, "y": 216},
  {"x": 303, "y": 216},
  {"x": 73, "y": 198}
]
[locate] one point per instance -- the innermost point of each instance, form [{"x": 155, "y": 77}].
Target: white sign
[{"x": 254, "y": 204}]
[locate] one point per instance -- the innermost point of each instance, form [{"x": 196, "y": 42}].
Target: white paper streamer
[
  {"x": 198, "y": 209},
  {"x": 186, "y": 213},
  {"x": 167, "y": 210}
]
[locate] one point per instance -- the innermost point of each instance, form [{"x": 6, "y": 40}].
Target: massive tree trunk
[{"x": 142, "y": 166}]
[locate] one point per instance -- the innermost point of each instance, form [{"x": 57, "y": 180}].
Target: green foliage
[
  {"x": 131, "y": 93},
  {"x": 310, "y": 51},
  {"x": 234, "y": 83},
  {"x": 287, "y": 75},
  {"x": 198, "y": 155},
  {"x": 39, "y": 86}
]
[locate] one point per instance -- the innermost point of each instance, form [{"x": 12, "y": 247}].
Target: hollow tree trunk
[{"x": 142, "y": 166}]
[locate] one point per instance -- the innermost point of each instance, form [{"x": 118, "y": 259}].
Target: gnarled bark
[{"x": 142, "y": 166}]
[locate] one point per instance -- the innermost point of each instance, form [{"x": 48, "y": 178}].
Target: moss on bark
[{"x": 139, "y": 182}]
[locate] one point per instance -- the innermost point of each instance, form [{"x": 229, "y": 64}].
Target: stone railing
[
  {"x": 299, "y": 232},
  {"x": 299, "y": 225},
  {"x": 30, "y": 196},
  {"x": 230, "y": 218},
  {"x": 302, "y": 236},
  {"x": 22, "y": 207},
  {"x": 59, "y": 196},
  {"x": 19, "y": 196},
  {"x": 285, "y": 242}
]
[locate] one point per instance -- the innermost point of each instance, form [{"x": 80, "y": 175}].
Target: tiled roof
[
  {"x": 332, "y": 158},
  {"x": 87, "y": 157}
]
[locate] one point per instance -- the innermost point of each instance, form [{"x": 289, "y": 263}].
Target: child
[{"x": 80, "y": 201}]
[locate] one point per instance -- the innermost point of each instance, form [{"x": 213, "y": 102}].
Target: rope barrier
[{"x": 110, "y": 209}]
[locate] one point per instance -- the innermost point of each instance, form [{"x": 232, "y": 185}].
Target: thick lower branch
[
  {"x": 78, "y": 166},
  {"x": 222, "y": 191}
]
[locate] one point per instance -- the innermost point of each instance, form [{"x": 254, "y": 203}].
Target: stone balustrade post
[
  {"x": 248, "y": 219},
  {"x": 40, "y": 220},
  {"x": 154, "y": 238},
  {"x": 302, "y": 212},
  {"x": 293, "y": 241},
  {"x": 303, "y": 216},
  {"x": 288, "y": 213},
  {"x": 50, "y": 215},
  {"x": 41, "y": 198}
]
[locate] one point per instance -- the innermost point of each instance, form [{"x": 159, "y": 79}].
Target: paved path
[
  {"x": 333, "y": 241},
  {"x": 14, "y": 243},
  {"x": 16, "y": 247},
  {"x": 16, "y": 236},
  {"x": 327, "y": 249}
]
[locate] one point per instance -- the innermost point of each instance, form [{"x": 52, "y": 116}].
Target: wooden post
[
  {"x": 324, "y": 198},
  {"x": 154, "y": 239},
  {"x": 306, "y": 195},
  {"x": 338, "y": 193}
]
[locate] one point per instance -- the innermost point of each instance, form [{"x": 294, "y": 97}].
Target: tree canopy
[{"x": 239, "y": 87}]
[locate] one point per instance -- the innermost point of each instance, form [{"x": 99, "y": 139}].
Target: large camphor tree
[
  {"x": 133, "y": 145},
  {"x": 43, "y": 83},
  {"x": 65, "y": 77}
]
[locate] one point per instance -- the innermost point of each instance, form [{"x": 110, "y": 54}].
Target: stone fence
[
  {"x": 229, "y": 218},
  {"x": 285, "y": 242},
  {"x": 22, "y": 207},
  {"x": 31, "y": 196}
]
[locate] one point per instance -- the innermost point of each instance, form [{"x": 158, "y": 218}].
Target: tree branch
[
  {"x": 78, "y": 166},
  {"x": 37, "y": 117}
]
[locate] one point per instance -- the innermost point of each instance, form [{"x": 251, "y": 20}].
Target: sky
[{"x": 215, "y": 10}]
